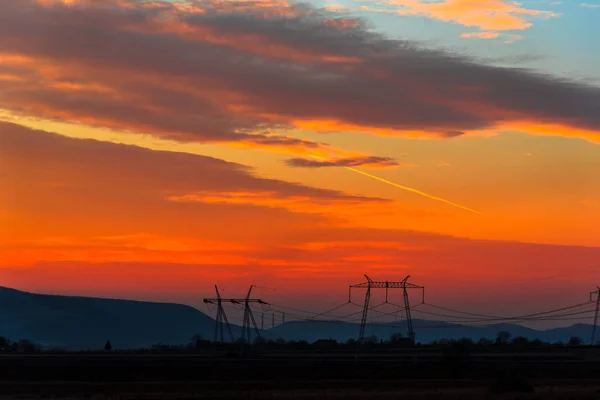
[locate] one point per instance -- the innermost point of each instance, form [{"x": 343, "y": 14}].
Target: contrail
[{"x": 408, "y": 189}]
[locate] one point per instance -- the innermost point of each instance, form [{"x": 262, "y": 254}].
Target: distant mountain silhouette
[
  {"x": 84, "y": 322},
  {"x": 426, "y": 331},
  {"x": 87, "y": 323}
]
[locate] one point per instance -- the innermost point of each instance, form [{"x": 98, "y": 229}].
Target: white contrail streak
[{"x": 408, "y": 189}]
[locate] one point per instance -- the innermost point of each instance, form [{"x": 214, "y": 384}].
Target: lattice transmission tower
[
  {"x": 249, "y": 316},
  {"x": 597, "y": 293},
  {"x": 221, "y": 318},
  {"x": 370, "y": 284}
]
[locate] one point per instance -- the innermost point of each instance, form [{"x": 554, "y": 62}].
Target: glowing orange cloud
[
  {"x": 488, "y": 15},
  {"x": 142, "y": 247},
  {"x": 520, "y": 124},
  {"x": 353, "y": 209},
  {"x": 332, "y": 125}
]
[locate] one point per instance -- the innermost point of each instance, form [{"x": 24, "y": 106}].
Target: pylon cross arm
[
  {"x": 210, "y": 300},
  {"x": 387, "y": 285}
]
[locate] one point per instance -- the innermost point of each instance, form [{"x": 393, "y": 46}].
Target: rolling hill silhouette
[
  {"x": 86, "y": 323},
  {"x": 426, "y": 331}
]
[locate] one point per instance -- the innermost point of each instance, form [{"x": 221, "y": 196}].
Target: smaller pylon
[
  {"x": 597, "y": 293},
  {"x": 221, "y": 318}
]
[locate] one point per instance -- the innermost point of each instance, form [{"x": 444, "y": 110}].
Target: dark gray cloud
[
  {"x": 344, "y": 162},
  {"x": 234, "y": 70}
]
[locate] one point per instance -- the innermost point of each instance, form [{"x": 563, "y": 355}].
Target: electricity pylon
[
  {"x": 248, "y": 316},
  {"x": 363, "y": 321},
  {"x": 370, "y": 284},
  {"x": 273, "y": 318},
  {"x": 597, "y": 293},
  {"x": 221, "y": 317}
]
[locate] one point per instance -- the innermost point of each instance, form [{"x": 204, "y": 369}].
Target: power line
[
  {"x": 454, "y": 323},
  {"x": 498, "y": 319},
  {"x": 446, "y": 324},
  {"x": 463, "y": 319},
  {"x": 462, "y": 312},
  {"x": 513, "y": 317}
]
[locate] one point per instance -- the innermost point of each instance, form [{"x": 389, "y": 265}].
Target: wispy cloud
[
  {"x": 588, "y": 5},
  {"x": 154, "y": 176},
  {"x": 369, "y": 161},
  {"x": 511, "y": 38},
  {"x": 481, "y": 35}
]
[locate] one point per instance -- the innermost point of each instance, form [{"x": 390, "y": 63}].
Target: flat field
[{"x": 405, "y": 374}]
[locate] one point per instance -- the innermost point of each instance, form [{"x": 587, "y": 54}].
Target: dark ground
[{"x": 407, "y": 374}]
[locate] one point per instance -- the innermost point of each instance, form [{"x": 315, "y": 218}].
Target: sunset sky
[{"x": 152, "y": 149}]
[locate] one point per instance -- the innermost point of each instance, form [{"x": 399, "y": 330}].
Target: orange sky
[{"x": 165, "y": 149}]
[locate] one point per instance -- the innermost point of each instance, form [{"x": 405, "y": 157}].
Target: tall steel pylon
[
  {"x": 221, "y": 318},
  {"x": 411, "y": 332},
  {"x": 370, "y": 284},
  {"x": 597, "y": 293},
  {"x": 363, "y": 321},
  {"x": 249, "y": 317}
]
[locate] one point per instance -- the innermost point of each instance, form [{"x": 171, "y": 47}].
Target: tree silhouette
[
  {"x": 27, "y": 346},
  {"x": 396, "y": 337},
  {"x": 503, "y": 337},
  {"x": 259, "y": 341},
  {"x": 195, "y": 337},
  {"x": 195, "y": 340},
  {"x": 280, "y": 341},
  {"x": 108, "y": 346},
  {"x": 575, "y": 341},
  {"x": 371, "y": 339},
  {"x": 520, "y": 341},
  {"x": 5, "y": 344}
]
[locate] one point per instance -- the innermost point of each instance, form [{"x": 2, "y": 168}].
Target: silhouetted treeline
[
  {"x": 454, "y": 347},
  {"x": 504, "y": 340},
  {"x": 20, "y": 346}
]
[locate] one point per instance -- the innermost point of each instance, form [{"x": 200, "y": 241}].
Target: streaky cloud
[{"x": 370, "y": 161}]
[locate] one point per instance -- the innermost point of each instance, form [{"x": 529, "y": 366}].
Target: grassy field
[
  {"x": 309, "y": 390},
  {"x": 573, "y": 374}
]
